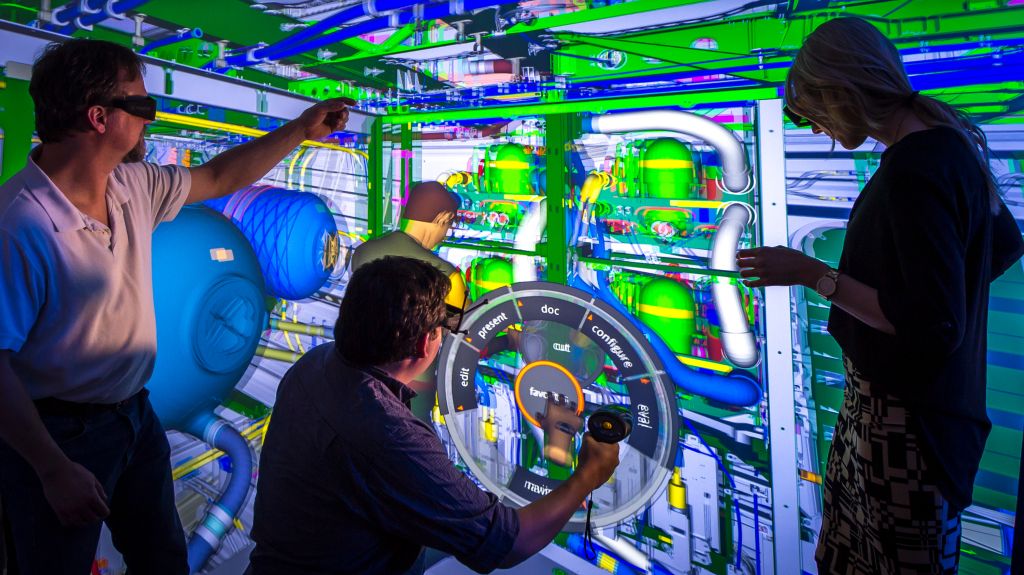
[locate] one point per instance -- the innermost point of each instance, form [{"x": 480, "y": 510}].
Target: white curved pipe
[
  {"x": 57, "y": 15},
  {"x": 108, "y": 10},
  {"x": 524, "y": 268},
  {"x": 735, "y": 171},
  {"x": 85, "y": 9},
  {"x": 625, "y": 549},
  {"x": 737, "y": 339}
]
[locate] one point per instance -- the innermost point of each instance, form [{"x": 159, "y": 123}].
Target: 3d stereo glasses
[
  {"x": 141, "y": 106},
  {"x": 798, "y": 120}
]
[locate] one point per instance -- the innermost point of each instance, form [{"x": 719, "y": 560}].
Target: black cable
[{"x": 588, "y": 537}]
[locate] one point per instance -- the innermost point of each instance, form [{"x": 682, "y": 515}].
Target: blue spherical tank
[
  {"x": 210, "y": 312},
  {"x": 293, "y": 233}
]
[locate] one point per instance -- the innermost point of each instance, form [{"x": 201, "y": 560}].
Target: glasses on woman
[{"x": 798, "y": 120}]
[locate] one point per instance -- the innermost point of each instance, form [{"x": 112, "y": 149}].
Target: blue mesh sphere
[
  {"x": 210, "y": 308},
  {"x": 293, "y": 233}
]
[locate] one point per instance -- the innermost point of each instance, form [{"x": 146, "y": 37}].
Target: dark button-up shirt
[
  {"x": 351, "y": 482},
  {"x": 923, "y": 234}
]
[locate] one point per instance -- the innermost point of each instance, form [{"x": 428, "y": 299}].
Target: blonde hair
[{"x": 849, "y": 73}]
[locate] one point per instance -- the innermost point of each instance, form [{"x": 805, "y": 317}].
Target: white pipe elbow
[
  {"x": 524, "y": 268},
  {"x": 738, "y": 340},
  {"x": 109, "y": 12},
  {"x": 57, "y": 16}
]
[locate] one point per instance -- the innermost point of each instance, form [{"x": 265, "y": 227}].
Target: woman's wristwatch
[{"x": 828, "y": 284}]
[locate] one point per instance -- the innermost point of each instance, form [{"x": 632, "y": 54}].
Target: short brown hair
[
  {"x": 73, "y": 75},
  {"x": 428, "y": 200},
  {"x": 389, "y": 305}
]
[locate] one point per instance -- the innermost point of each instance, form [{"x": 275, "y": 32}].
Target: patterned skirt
[{"x": 883, "y": 514}]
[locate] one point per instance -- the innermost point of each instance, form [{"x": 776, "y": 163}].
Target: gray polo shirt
[{"x": 77, "y": 303}]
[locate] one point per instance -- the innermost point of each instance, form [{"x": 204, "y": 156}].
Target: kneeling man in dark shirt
[{"x": 351, "y": 482}]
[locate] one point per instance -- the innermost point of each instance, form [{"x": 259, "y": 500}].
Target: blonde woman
[{"x": 926, "y": 236}]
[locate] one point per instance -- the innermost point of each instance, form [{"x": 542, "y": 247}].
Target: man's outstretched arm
[
  {"x": 243, "y": 165},
  {"x": 540, "y": 521}
]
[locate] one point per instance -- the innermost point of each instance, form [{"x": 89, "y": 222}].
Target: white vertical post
[{"x": 779, "y": 343}]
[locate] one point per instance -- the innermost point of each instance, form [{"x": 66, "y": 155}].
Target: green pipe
[
  {"x": 278, "y": 354},
  {"x": 302, "y": 328},
  {"x": 641, "y": 264}
]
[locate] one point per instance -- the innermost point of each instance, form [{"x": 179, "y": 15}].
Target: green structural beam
[
  {"x": 232, "y": 20},
  {"x": 18, "y": 121},
  {"x": 687, "y": 100},
  {"x": 559, "y": 135},
  {"x": 366, "y": 49},
  {"x": 685, "y": 56},
  {"x": 237, "y": 22},
  {"x": 375, "y": 181}
]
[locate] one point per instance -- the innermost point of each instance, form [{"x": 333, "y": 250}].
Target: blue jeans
[{"x": 127, "y": 450}]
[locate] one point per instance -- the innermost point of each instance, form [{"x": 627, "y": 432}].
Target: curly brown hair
[
  {"x": 389, "y": 305},
  {"x": 73, "y": 75}
]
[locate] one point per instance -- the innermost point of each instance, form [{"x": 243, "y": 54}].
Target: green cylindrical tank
[
  {"x": 488, "y": 274},
  {"x": 666, "y": 169},
  {"x": 667, "y": 307},
  {"x": 509, "y": 171}
]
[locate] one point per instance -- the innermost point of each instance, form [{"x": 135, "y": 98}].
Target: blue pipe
[
  {"x": 972, "y": 62},
  {"x": 737, "y": 388},
  {"x": 293, "y": 47},
  {"x": 935, "y": 77},
  {"x": 248, "y": 58},
  {"x": 685, "y": 75},
  {"x": 305, "y": 40},
  {"x": 732, "y": 485},
  {"x": 186, "y": 35},
  {"x": 339, "y": 19},
  {"x": 430, "y": 12},
  {"x": 659, "y": 569},
  {"x": 68, "y": 16},
  {"x": 611, "y": 78},
  {"x": 119, "y": 8},
  {"x": 219, "y": 517},
  {"x": 953, "y": 79},
  {"x": 344, "y": 34},
  {"x": 63, "y": 16},
  {"x": 924, "y": 75}
]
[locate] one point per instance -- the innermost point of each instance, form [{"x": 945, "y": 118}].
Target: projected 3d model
[{"x": 610, "y": 158}]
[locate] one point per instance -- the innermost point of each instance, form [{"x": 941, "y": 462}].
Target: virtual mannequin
[{"x": 426, "y": 218}]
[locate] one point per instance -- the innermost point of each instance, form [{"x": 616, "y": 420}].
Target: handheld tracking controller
[{"x": 608, "y": 424}]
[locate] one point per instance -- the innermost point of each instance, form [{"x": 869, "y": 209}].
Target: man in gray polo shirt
[{"x": 79, "y": 442}]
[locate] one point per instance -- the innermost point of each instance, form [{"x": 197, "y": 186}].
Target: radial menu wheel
[{"x": 531, "y": 361}]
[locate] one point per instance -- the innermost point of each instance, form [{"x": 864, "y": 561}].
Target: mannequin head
[{"x": 429, "y": 213}]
